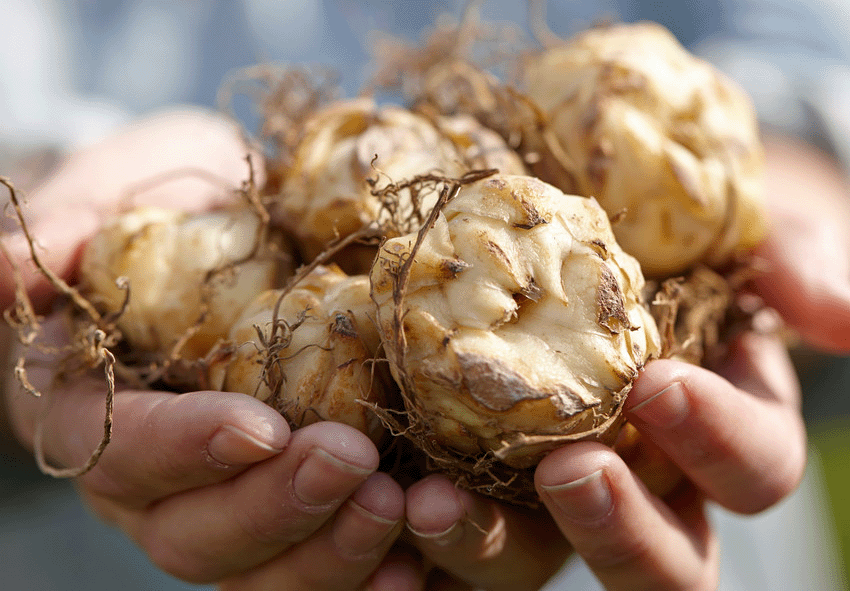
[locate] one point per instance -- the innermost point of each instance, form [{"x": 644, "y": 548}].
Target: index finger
[
  {"x": 162, "y": 443},
  {"x": 746, "y": 449}
]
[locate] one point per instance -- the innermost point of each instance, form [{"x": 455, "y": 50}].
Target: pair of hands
[{"x": 216, "y": 488}]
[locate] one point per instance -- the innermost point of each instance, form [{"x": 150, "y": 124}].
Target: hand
[
  {"x": 737, "y": 434},
  {"x": 807, "y": 254},
  {"x": 215, "y": 488},
  {"x": 186, "y": 159},
  {"x": 744, "y": 449},
  {"x": 212, "y": 485}
]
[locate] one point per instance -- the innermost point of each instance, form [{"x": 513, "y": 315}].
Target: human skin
[
  {"x": 735, "y": 432},
  {"x": 221, "y": 491},
  {"x": 212, "y": 485}
]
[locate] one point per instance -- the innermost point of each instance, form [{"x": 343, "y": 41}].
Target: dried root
[
  {"x": 286, "y": 97},
  {"x": 97, "y": 339},
  {"x": 700, "y": 313},
  {"x": 90, "y": 347}
]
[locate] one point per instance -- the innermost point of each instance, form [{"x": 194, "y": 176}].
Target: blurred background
[{"x": 73, "y": 70}]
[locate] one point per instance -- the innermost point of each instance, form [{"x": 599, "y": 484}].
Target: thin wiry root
[
  {"x": 21, "y": 315},
  {"x": 38, "y": 442},
  {"x": 21, "y": 377},
  {"x": 172, "y": 367},
  {"x": 286, "y": 96},
  {"x": 92, "y": 350},
  {"x": 57, "y": 282}
]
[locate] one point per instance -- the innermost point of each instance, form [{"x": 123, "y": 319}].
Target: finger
[
  {"x": 183, "y": 159},
  {"x": 807, "y": 280},
  {"x": 480, "y": 541},
  {"x": 629, "y": 539},
  {"x": 760, "y": 365},
  {"x": 354, "y": 542},
  {"x": 400, "y": 571},
  {"x": 746, "y": 452},
  {"x": 161, "y": 444},
  {"x": 164, "y": 444},
  {"x": 222, "y": 530},
  {"x": 808, "y": 250}
]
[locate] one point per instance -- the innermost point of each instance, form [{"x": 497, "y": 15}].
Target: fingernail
[
  {"x": 233, "y": 447},
  {"x": 323, "y": 478},
  {"x": 358, "y": 531},
  {"x": 585, "y": 500},
  {"x": 448, "y": 536},
  {"x": 666, "y": 409}
]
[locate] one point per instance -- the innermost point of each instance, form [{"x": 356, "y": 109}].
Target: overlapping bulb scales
[
  {"x": 327, "y": 193},
  {"x": 522, "y": 317},
  {"x": 650, "y": 130},
  {"x": 168, "y": 258},
  {"x": 318, "y": 362}
]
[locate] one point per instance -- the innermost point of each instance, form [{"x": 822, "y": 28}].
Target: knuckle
[
  {"x": 284, "y": 526},
  {"x": 102, "y": 483},
  {"x": 611, "y": 554},
  {"x": 173, "y": 559},
  {"x": 782, "y": 479},
  {"x": 635, "y": 558},
  {"x": 105, "y": 508},
  {"x": 711, "y": 462}
]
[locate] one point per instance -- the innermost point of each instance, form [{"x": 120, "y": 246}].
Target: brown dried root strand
[
  {"x": 402, "y": 274},
  {"x": 21, "y": 315},
  {"x": 453, "y": 74},
  {"x": 286, "y": 96},
  {"x": 279, "y": 340},
  {"x": 700, "y": 313},
  {"x": 447, "y": 77},
  {"x": 465, "y": 87},
  {"x": 251, "y": 193},
  {"x": 102, "y": 333},
  {"x": 109, "y": 363},
  {"x": 280, "y": 335},
  {"x": 369, "y": 233},
  {"x": 399, "y": 222},
  {"x": 484, "y": 474},
  {"x": 401, "y": 66},
  {"x": 38, "y": 440},
  {"x": 57, "y": 282},
  {"x": 171, "y": 367}
]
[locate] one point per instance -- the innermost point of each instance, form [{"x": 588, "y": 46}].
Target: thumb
[{"x": 187, "y": 159}]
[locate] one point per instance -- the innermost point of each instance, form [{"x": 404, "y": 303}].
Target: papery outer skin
[
  {"x": 327, "y": 366},
  {"x": 522, "y": 316},
  {"x": 654, "y": 131},
  {"x": 166, "y": 255},
  {"x": 326, "y": 193}
]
